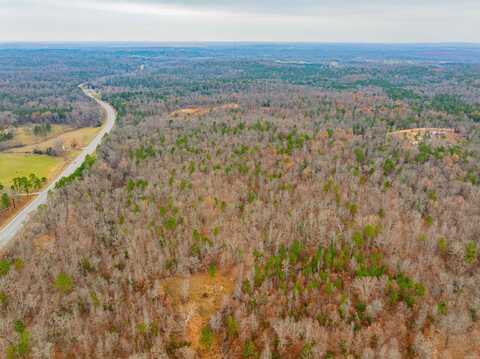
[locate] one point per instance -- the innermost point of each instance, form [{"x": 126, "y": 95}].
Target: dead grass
[
  {"x": 24, "y": 136},
  {"x": 201, "y": 111},
  {"x": 205, "y": 296},
  {"x": 415, "y": 135},
  {"x": 192, "y": 111},
  {"x": 72, "y": 140}
]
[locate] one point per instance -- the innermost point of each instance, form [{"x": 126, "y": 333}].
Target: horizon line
[{"x": 234, "y": 42}]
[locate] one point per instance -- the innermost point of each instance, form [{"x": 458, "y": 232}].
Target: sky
[{"x": 384, "y": 21}]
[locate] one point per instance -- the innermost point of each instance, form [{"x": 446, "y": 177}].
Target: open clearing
[
  {"x": 201, "y": 111},
  {"x": 197, "y": 298},
  {"x": 24, "y": 136},
  {"x": 15, "y": 165},
  {"x": 72, "y": 140},
  {"x": 416, "y": 135}
]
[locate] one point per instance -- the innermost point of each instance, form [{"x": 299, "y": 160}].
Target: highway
[{"x": 8, "y": 232}]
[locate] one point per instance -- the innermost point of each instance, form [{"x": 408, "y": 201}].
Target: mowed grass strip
[{"x": 16, "y": 165}]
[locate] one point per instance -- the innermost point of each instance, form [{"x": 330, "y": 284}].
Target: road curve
[{"x": 16, "y": 224}]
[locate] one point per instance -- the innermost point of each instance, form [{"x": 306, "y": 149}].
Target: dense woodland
[
  {"x": 40, "y": 86},
  {"x": 278, "y": 189}
]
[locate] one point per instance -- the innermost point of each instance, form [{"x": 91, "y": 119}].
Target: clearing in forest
[
  {"x": 71, "y": 140},
  {"x": 199, "y": 297},
  {"x": 416, "y": 135},
  {"x": 25, "y": 136},
  {"x": 201, "y": 111}
]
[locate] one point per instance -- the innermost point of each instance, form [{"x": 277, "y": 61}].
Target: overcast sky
[{"x": 241, "y": 20}]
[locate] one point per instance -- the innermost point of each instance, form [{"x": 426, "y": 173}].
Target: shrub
[
  {"x": 471, "y": 252},
  {"x": 442, "y": 245},
  {"x": 442, "y": 308},
  {"x": 22, "y": 348},
  {"x": 370, "y": 231},
  {"x": 63, "y": 283},
  {"x": 232, "y": 326},
  {"x": 249, "y": 350},
  {"x": 330, "y": 133},
  {"x": 212, "y": 270},
  {"x": 206, "y": 337},
  {"x": 388, "y": 166},
  {"x": 3, "y": 298},
  {"x": 359, "y": 155},
  {"x": 87, "y": 164},
  {"x": 4, "y": 201},
  {"x": 170, "y": 223},
  {"x": 19, "y": 326},
  {"x": 4, "y": 267}
]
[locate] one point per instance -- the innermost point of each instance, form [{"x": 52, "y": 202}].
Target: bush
[
  {"x": 206, "y": 337},
  {"x": 471, "y": 252},
  {"x": 232, "y": 326},
  {"x": 64, "y": 283},
  {"x": 89, "y": 161},
  {"x": 388, "y": 166},
  {"x": 4, "y": 267},
  {"x": 4, "y": 201},
  {"x": 359, "y": 155}
]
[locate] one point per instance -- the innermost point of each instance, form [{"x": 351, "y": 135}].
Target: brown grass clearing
[
  {"x": 415, "y": 135},
  {"x": 198, "y": 298},
  {"x": 192, "y": 111},
  {"x": 71, "y": 140},
  {"x": 201, "y": 111},
  {"x": 24, "y": 136}
]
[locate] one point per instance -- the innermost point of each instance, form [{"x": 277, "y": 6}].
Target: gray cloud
[
  {"x": 307, "y": 7},
  {"x": 247, "y": 20}
]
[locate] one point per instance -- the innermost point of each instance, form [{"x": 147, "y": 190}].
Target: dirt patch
[
  {"x": 416, "y": 135},
  {"x": 198, "y": 298},
  {"x": 201, "y": 111},
  {"x": 192, "y": 111}
]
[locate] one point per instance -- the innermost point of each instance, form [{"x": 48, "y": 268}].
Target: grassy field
[
  {"x": 18, "y": 159},
  {"x": 76, "y": 138},
  {"x": 24, "y": 136},
  {"x": 14, "y": 165}
]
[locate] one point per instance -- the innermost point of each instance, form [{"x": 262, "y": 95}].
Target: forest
[{"x": 252, "y": 202}]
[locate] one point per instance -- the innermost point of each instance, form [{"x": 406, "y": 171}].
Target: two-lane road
[{"x": 17, "y": 223}]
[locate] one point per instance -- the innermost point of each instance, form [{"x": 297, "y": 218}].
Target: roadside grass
[
  {"x": 8, "y": 214},
  {"x": 16, "y": 165}
]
